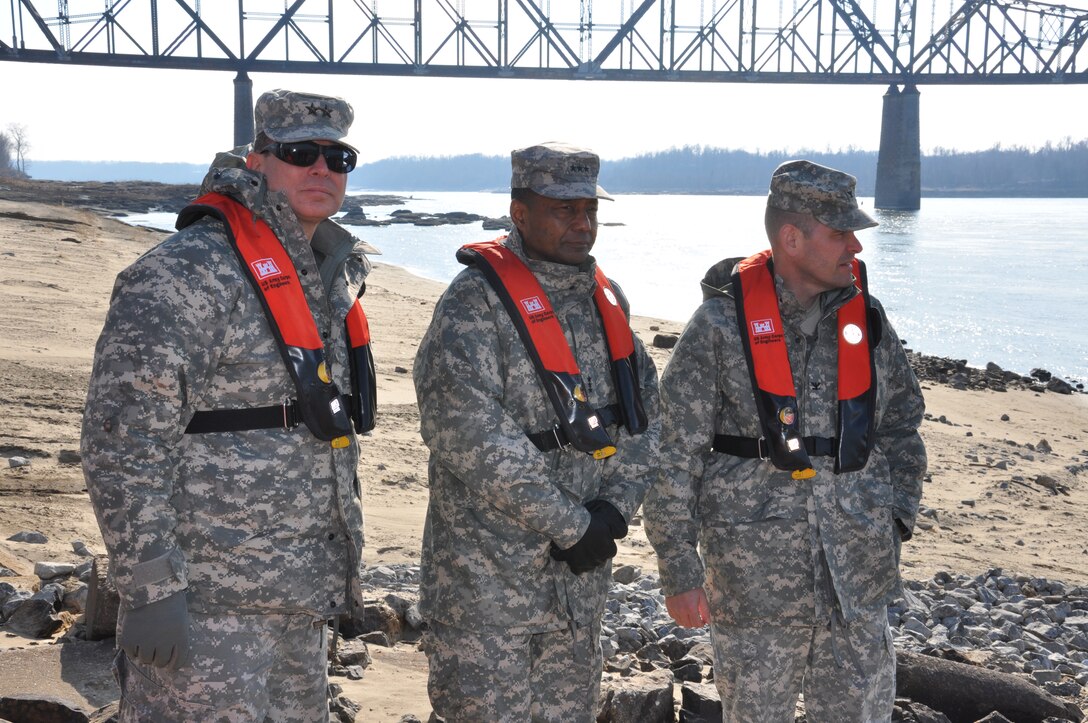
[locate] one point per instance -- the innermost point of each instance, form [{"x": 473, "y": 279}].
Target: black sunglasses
[{"x": 339, "y": 159}]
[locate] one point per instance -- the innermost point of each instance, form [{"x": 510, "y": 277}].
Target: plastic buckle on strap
[
  {"x": 763, "y": 449},
  {"x": 289, "y": 420},
  {"x": 558, "y": 440}
]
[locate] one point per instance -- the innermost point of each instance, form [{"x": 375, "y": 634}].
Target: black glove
[
  {"x": 158, "y": 633},
  {"x": 617, "y": 525},
  {"x": 594, "y": 548}
]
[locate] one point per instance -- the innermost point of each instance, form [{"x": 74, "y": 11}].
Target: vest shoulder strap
[{"x": 271, "y": 272}]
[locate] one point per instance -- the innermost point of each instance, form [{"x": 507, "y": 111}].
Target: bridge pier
[
  {"x": 243, "y": 108},
  {"x": 899, "y": 163}
]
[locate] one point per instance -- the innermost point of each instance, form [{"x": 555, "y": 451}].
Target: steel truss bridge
[
  {"x": 898, "y": 43},
  {"x": 809, "y": 41}
]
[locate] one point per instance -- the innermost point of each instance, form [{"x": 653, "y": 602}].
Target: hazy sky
[{"x": 91, "y": 113}]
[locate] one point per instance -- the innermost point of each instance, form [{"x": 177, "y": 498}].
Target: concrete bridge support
[
  {"x": 899, "y": 164},
  {"x": 243, "y": 108}
]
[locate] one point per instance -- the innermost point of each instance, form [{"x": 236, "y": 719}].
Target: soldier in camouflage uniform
[
  {"x": 230, "y": 549},
  {"x": 792, "y": 567},
  {"x": 520, "y": 529}
]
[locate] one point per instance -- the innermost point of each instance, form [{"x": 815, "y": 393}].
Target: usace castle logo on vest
[
  {"x": 264, "y": 268},
  {"x": 533, "y": 304},
  {"x": 762, "y": 326}
]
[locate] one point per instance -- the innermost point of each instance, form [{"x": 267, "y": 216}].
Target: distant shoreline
[
  {"x": 1052, "y": 171},
  {"x": 148, "y": 196}
]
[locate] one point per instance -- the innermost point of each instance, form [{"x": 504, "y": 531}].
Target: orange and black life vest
[
  {"x": 320, "y": 406},
  {"x": 524, "y": 299},
  {"x": 772, "y": 377}
]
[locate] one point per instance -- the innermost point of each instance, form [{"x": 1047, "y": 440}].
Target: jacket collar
[{"x": 562, "y": 283}]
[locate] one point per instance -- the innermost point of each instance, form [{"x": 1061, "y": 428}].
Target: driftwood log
[
  {"x": 965, "y": 693},
  {"x": 100, "y": 613}
]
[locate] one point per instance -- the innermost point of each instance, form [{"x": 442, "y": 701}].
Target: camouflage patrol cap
[
  {"x": 286, "y": 115},
  {"x": 822, "y": 192},
  {"x": 557, "y": 170}
]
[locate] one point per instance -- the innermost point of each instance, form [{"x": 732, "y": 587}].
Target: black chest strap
[
  {"x": 753, "y": 448},
  {"x": 278, "y": 416}
]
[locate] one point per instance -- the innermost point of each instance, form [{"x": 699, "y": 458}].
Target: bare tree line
[
  {"x": 14, "y": 146},
  {"x": 1053, "y": 170}
]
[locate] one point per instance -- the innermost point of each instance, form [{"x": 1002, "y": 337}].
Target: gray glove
[{"x": 158, "y": 633}]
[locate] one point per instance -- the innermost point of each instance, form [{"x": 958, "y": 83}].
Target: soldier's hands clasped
[{"x": 598, "y": 544}]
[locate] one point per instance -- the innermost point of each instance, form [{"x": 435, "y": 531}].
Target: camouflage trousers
[
  {"x": 499, "y": 677},
  {"x": 244, "y": 669},
  {"x": 846, "y": 672}
]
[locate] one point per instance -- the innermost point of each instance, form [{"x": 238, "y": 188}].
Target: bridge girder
[{"x": 814, "y": 41}]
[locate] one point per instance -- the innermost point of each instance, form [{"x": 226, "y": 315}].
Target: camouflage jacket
[
  {"x": 258, "y": 520},
  {"x": 497, "y": 503},
  {"x": 775, "y": 548}
]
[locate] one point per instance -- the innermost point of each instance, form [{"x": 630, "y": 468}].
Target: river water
[{"x": 985, "y": 280}]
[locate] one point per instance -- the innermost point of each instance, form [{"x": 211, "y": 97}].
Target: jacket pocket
[
  {"x": 862, "y": 542},
  {"x": 860, "y": 493},
  {"x": 757, "y": 545}
]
